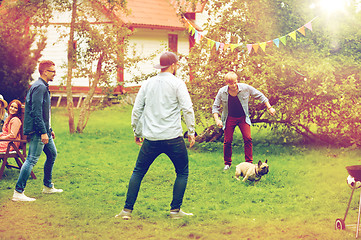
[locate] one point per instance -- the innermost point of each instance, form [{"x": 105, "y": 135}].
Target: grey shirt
[
  {"x": 157, "y": 109},
  {"x": 244, "y": 92}
]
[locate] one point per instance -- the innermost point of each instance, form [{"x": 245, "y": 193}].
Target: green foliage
[
  {"x": 20, "y": 45},
  {"x": 301, "y": 197},
  {"x": 314, "y": 83},
  {"x": 105, "y": 43}
]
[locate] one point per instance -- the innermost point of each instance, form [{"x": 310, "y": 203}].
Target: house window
[{"x": 173, "y": 42}]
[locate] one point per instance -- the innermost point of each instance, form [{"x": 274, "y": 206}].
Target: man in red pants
[{"x": 234, "y": 98}]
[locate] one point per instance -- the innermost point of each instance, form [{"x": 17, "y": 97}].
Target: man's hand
[
  {"x": 191, "y": 140},
  {"x": 53, "y": 134},
  {"x": 45, "y": 138},
  {"x": 138, "y": 141},
  {"x": 272, "y": 111},
  {"x": 219, "y": 123}
]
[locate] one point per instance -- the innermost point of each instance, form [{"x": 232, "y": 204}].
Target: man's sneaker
[
  {"x": 226, "y": 167},
  {"x": 20, "y": 197},
  {"x": 125, "y": 214},
  {"x": 51, "y": 190},
  {"x": 178, "y": 214}
]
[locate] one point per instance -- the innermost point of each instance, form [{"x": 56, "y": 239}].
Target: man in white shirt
[{"x": 156, "y": 118}]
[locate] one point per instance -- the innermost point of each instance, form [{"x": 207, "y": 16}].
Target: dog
[{"x": 251, "y": 172}]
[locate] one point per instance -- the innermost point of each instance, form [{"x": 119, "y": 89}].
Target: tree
[
  {"x": 18, "y": 61},
  {"x": 100, "y": 45},
  {"x": 313, "y": 82}
]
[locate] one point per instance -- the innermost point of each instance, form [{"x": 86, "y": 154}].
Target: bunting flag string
[{"x": 198, "y": 36}]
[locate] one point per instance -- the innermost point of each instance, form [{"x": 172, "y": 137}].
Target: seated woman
[
  {"x": 3, "y": 113},
  {"x": 12, "y": 124}
]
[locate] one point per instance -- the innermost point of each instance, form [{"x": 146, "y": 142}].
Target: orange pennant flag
[
  {"x": 255, "y": 47},
  {"x": 302, "y": 30},
  {"x": 270, "y": 43}
]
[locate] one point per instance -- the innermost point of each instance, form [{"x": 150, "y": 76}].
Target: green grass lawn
[{"x": 300, "y": 198}]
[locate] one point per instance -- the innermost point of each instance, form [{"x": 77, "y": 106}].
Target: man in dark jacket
[{"x": 37, "y": 127}]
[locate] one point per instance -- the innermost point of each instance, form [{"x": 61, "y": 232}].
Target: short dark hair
[{"x": 44, "y": 65}]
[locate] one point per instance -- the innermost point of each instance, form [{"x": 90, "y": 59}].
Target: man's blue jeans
[
  {"x": 36, "y": 147},
  {"x": 176, "y": 150}
]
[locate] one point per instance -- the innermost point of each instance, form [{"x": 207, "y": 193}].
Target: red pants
[{"x": 231, "y": 124}]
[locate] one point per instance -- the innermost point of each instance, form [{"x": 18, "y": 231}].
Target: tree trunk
[
  {"x": 210, "y": 134},
  {"x": 85, "y": 109},
  {"x": 71, "y": 64}
]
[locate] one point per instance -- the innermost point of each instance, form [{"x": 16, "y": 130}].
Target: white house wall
[{"x": 147, "y": 42}]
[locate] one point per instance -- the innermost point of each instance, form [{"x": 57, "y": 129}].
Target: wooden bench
[{"x": 18, "y": 153}]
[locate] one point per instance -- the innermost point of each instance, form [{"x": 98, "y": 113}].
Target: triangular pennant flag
[
  {"x": 209, "y": 42},
  {"x": 292, "y": 35},
  {"x": 200, "y": 36},
  {"x": 255, "y": 47},
  {"x": 221, "y": 47},
  {"x": 193, "y": 31},
  {"x": 217, "y": 45},
  {"x": 277, "y": 42},
  {"x": 263, "y": 46},
  {"x": 249, "y": 47},
  {"x": 283, "y": 40},
  {"x": 309, "y": 25},
  {"x": 302, "y": 30},
  {"x": 212, "y": 43},
  {"x": 270, "y": 43},
  {"x": 190, "y": 28},
  {"x": 226, "y": 46},
  {"x": 233, "y": 46},
  {"x": 196, "y": 35}
]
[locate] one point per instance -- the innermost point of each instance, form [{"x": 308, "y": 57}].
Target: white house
[{"x": 156, "y": 27}]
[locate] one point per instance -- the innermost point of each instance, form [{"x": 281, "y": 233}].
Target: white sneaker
[
  {"x": 125, "y": 214},
  {"x": 51, "y": 190},
  {"x": 226, "y": 167},
  {"x": 20, "y": 197},
  {"x": 178, "y": 214}
]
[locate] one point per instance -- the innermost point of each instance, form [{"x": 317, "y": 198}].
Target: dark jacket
[{"x": 37, "y": 109}]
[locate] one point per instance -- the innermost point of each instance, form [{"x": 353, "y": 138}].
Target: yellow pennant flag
[
  {"x": 212, "y": 43},
  {"x": 302, "y": 30},
  {"x": 233, "y": 46},
  {"x": 193, "y": 31},
  {"x": 283, "y": 40},
  {"x": 293, "y": 35},
  {"x": 209, "y": 42},
  {"x": 190, "y": 28},
  {"x": 263, "y": 46}
]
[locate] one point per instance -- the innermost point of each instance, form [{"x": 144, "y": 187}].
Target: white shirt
[{"x": 157, "y": 109}]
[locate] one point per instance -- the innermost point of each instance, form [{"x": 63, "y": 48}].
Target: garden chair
[{"x": 18, "y": 153}]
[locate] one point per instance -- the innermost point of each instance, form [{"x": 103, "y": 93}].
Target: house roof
[
  {"x": 157, "y": 14},
  {"x": 152, "y": 14},
  {"x": 189, "y": 7}
]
